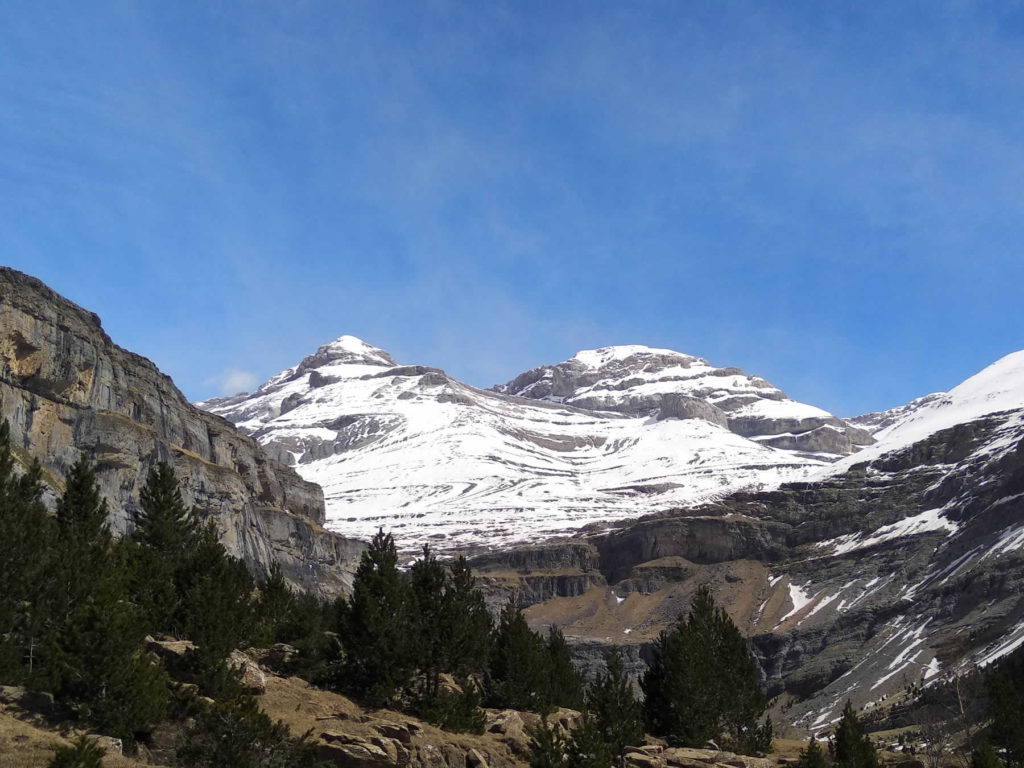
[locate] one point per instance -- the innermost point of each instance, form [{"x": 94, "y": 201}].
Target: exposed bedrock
[{"x": 67, "y": 389}]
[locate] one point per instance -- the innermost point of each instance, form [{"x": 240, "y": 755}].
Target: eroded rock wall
[{"x": 67, "y": 389}]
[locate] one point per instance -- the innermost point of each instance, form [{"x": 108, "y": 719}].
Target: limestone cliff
[{"x": 67, "y": 389}]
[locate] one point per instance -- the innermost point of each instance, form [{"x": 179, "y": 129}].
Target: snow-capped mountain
[
  {"x": 613, "y": 433},
  {"x": 996, "y": 389},
  {"x": 639, "y": 381}
]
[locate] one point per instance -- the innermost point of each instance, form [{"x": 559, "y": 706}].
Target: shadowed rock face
[{"x": 67, "y": 389}]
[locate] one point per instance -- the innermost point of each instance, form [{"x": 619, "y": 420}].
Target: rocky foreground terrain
[
  {"x": 67, "y": 389},
  {"x": 346, "y": 734}
]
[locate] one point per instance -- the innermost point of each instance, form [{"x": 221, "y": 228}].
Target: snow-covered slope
[
  {"x": 639, "y": 380},
  {"x": 435, "y": 460},
  {"x": 996, "y": 389}
]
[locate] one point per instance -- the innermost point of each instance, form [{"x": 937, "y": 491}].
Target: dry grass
[{"x": 28, "y": 744}]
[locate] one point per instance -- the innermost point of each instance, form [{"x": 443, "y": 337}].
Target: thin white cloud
[{"x": 231, "y": 381}]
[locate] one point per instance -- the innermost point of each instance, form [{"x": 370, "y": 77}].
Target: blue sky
[{"x": 825, "y": 194}]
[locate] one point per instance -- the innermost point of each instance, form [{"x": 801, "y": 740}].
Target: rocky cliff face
[{"x": 67, "y": 389}]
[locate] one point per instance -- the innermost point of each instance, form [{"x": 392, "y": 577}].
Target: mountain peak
[
  {"x": 602, "y": 356},
  {"x": 348, "y": 349}
]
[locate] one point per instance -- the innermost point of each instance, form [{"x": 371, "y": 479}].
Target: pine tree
[
  {"x": 83, "y": 541},
  {"x": 83, "y": 753},
  {"x": 811, "y": 756},
  {"x": 276, "y": 605},
  {"x": 238, "y": 734},
  {"x": 94, "y": 651},
  {"x": 702, "y": 683},
  {"x": 427, "y": 582},
  {"x": 27, "y": 586},
  {"x": 217, "y": 608},
  {"x": 164, "y": 522},
  {"x": 615, "y": 710},
  {"x": 589, "y": 746},
  {"x": 375, "y": 623},
  {"x": 565, "y": 687},
  {"x": 82, "y": 512},
  {"x": 165, "y": 530},
  {"x": 518, "y": 667},
  {"x": 547, "y": 747},
  {"x": 467, "y": 626},
  {"x": 984, "y": 756},
  {"x": 852, "y": 746},
  {"x": 1007, "y": 711}
]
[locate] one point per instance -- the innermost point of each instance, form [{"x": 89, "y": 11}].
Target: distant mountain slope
[
  {"x": 997, "y": 388},
  {"x": 434, "y": 460},
  {"x": 897, "y": 566}
]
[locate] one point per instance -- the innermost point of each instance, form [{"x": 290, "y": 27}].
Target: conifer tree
[
  {"x": 84, "y": 752},
  {"x": 811, "y": 756},
  {"x": 1007, "y": 711},
  {"x": 26, "y": 568},
  {"x": 83, "y": 543},
  {"x": 547, "y": 747},
  {"x": 429, "y": 614},
  {"x": 165, "y": 530},
  {"x": 375, "y": 622},
  {"x": 565, "y": 686},
  {"x": 984, "y": 756},
  {"x": 94, "y": 650},
  {"x": 275, "y": 605},
  {"x": 518, "y": 667},
  {"x": 81, "y": 511},
  {"x": 615, "y": 710},
  {"x": 852, "y": 746},
  {"x": 702, "y": 683},
  {"x": 467, "y": 626},
  {"x": 164, "y": 522},
  {"x": 588, "y": 746}
]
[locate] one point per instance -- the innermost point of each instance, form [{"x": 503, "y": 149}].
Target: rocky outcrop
[
  {"x": 530, "y": 575},
  {"x": 67, "y": 389},
  {"x": 698, "y": 538}
]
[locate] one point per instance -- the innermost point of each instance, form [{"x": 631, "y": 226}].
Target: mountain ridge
[{"x": 440, "y": 461}]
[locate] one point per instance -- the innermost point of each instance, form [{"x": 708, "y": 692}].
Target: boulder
[
  {"x": 642, "y": 760},
  {"x": 352, "y": 752},
  {"x": 507, "y": 723},
  {"x": 169, "y": 649},
  {"x": 253, "y": 679},
  {"x": 111, "y": 745},
  {"x": 397, "y": 731}
]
